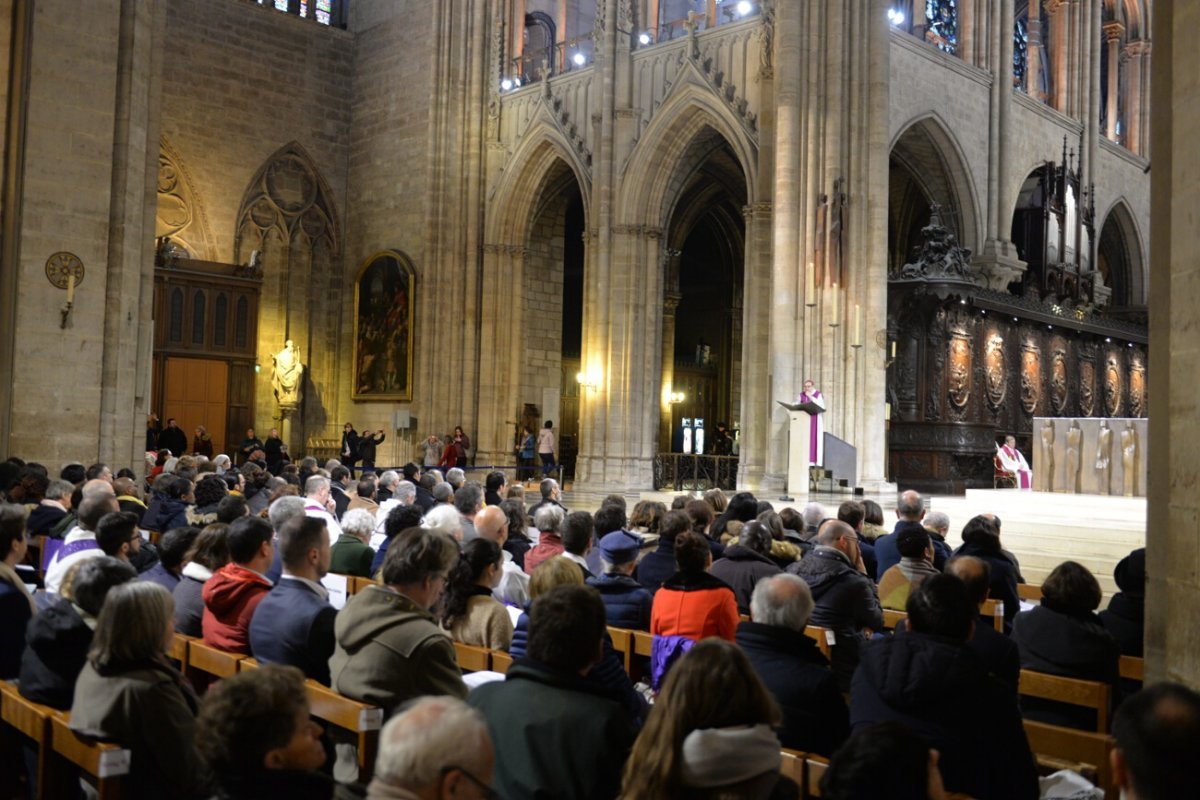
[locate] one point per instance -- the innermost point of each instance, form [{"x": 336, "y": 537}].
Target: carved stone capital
[
  {"x": 1113, "y": 31},
  {"x": 1138, "y": 47},
  {"x": 761, "y": 211},
  {"x": 649, "y": 231}
]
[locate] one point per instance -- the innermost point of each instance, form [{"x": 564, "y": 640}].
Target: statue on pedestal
[
  {"x": 1104, "y": 457},
  {"x": 1129, "y": 459},
  {"x": 1074, "y": 456},
  {"x": 286, "y": 376}
]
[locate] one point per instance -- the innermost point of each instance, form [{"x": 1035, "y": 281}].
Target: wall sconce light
[
  {"x": 257, "y": 367},
  {"x": 677, "y": 398},
  {"x": 65, "y": 271},
  {"x": 579, "y": 58},
  {"x": 587, "y": 381}
]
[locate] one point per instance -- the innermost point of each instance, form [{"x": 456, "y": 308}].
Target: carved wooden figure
[
  {"x": 1074, "y": 457},
  {"x": 1104, "y": 443}
]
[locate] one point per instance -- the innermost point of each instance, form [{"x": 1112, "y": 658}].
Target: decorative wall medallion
[
  {"x": 959, "y": 383},
  {"x": 1058, "y": 381},
  {"x": 995, "y": 371},
  {"x": 1087, "y": 387},
  {"x": 1112, "y": 387},
  {"x": 1031, "y": 378},
  {"x": 62, "y": 266},
  {"x": 1137, "y": 390}
]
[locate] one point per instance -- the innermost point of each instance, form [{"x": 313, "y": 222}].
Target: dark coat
[
  {"x": 292, "y": 784},
  {"x": 845, "y": 600},
  {"x": 173, "y": 439},
  {"x": 160, "y": 575},
  {"x": 888, "y": 556},
  {"x": 366, "y": 447},
  {"x": 517, "y": 545},
  {"x": 166, "y": 513},
  {"x": 351, "y": 556},
  {"x": 1125, "y": 619},
  {"x": 248, "y": 446},
  {"x": 815, "y": 717},
  {"x": 742, "y": 568},
  {"x": 538, "y": 717},
  {"x": 293, "y": 625},
  {"x": 868, "y": 556},
  {"x": 341, "y": 500},
  {"x": 1068, "y": 644},
  {"x": 273, "y": 450},
  {"x": 14, "y": 615},
  {"x": 348, "y": 452},
  {"x": 57, "y": 645},
  {"x": 657, "y": 565},
  {"x": 424, "y": 499},
  {"x": 1003, "y": 586},
  {"x": 189, "y": 606},
  {"x": 997, "y": 652},
  {"x": 626, "y": 603},
  {"x": 940, "y": 689},
  {"x": 43, "y": 519}
]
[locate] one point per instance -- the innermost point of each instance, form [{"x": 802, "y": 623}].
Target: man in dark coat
[
  {"x": 846, "y": 599},
  {"x": 626, "y": 603},
  {"x": 997, "y": 652},
  {"x": 556, "y": 734},
  {"x": 910, "y": 511},
  {"x": 51, "y": 509},
  {"x": 339, "y": 481},
  {"x": 659, "y": 564},
  {"x": 853, "y": 514},
  {"x": 366, "y": 449},
  {"x": 173, "y": 438},
  {"x": 815, "y": 718},
  {"x": 926, "y": 678},
  {"x": 348, "y": 454},
  {"x": 293, "y": 624},
  {"x": 273, "y": 452},
  {"x": 981, "y": 538},
  {"x": 249, "y": 445},
  {"x": 747, "y": 562},
  {"x": 424, "y": 498}
]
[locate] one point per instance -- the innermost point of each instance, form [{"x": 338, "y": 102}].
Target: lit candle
[
  {"x": 810, "y": 285},
  {"x": 893, "y": 349},
  {"x": 857, "y": 325},
  {"x": 833, "y": 314},
  {"x": 70, "y": 288}
]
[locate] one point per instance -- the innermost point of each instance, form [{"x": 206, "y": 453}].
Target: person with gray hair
[
  {"x": 456, "y": 478},
  {"x": 937, "y": 523},
  {"x": 443, "y": 494},
  {"x": 284, "y": 509},
  {"x": 51, "y": 510},
  {"x": 813, "y": 514},
  {"x": 911, "y": 515},
  {"x": 549, "y": 521},
  {"x": 744, "y": 564},
  {"x": 404, "y": 493},
  {"x": 445, "y": 520},
  {"x": 352, "y": 553},
  {"x": 319, "y": 504},
  {"x": 815, "y": 717},
  {"x": 386, "y": 485},
  {"x": 435, "y": 747},
  {"x": 468, "y": 500},
  {"x": 222, "y": 463},
  {"x": 550, "y": 496}
]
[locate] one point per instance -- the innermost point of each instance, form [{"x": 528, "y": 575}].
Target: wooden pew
[
  {"x": 892, "y": 617},
  {"x": 501, "y": 661},
  {"x": 1133, "y": 668},
  {"x": 32, "y": 721},
  {"x": 1074, "y": 748},
  {"x": 643, "y": 643},
  {"x": 206, "y": 664},
  {"x": 622, "y": 639},
  {"x": 995, "y": 610},
  {"x": 824, "y": 637},
  {"x": 1073, "y": 691},
  {"x": 179, "y": 649},
  {"x": 103, "y": 762},
  {"x": 1029, "y": 592},
  {"x": 471, "y": 658},
  {"x": 791, "y": 766},
  {"x": 360, "y": 719},
  {"x": 814, "y": 769}
]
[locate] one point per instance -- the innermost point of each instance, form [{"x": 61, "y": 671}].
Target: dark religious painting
[{"x": 383, "y": 333}]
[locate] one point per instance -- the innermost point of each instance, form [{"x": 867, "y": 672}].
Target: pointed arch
[
  {"x": 287, "y": 194},
  {"x": 930, "y": 152},
  {"x": 513, "y": 204},
  {"x": 179, "y": 211},
  {"x": 1120, "y": 253}
]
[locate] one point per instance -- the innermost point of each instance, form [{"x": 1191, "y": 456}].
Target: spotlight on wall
[
  {"x": 677, "y": 398},
  {"x": 744, "y": 8},
  {"x": 506, "y": 84},
  {"x": 643, "y": 38},
  {"x": 580, "y": 59},
  {"x": 1108, "y": 341},
  {"x": 895, "y": 16},
  {"x": 587, "y": 381}
]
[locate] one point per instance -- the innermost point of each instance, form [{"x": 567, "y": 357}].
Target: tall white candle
[{"x": 70, "y": 287}]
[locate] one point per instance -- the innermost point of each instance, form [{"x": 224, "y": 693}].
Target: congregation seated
[
  {"x": 578, "y": 528},
  {"x": 910, "y": 514},
  {"x": 351, "y": 553},
  {"x": 997, "y": 652},
  {"x": 916, "y": 564},
  {"x": 692, "y": 603},
  {"x": 235, "y": 590},
  {"x": 513, "y": 589},
  {"x": 609, "y": 518},
  {"x": 339, "y": 481},
  {"x": 872, "y": 527},
  {"x": 710, "y": 734},
  {"x": 815, "y": 718},
  {"x": 254, "y": 734},
  {"x": 209, "y": 492},
  {"x": 1063, "y": 636},
  {"x": 659, "y": 564},
  {"x": 58, "y": 638},
  {"x": 927, "y": 679},
  {"x": 549, "y": 492},
  {"x": 518, "y": 542},
  {"x": 51, "y": 509},
  {"x": 16, "y": 603},
  {"x": 129, "y": 693},
  {"x": 1125, "y": 616},
  {"x": 548, "y": 519},
  {"x": 436, "y": 747},
  {"x": 884, "y": 761},
  {"x": 470, "y": 612},
  {"x": 981, "y": 538},
  {"x": 366, "y": 494},
  {"x": 549, "y": 574},
  {"x": 80, "y": 543},
  {"x": 557, "y": 734},
  {"x": 293, "y": 623},
  {"x": 745, "y": 563},
  {"x": 1157, "y": 733},
  {"x": 399, "y": 519},
  {"x": 118, "y": 536},
  {"x": 169, "y": 507},
  {"x": 852, "y": 513},
  {"x": 468, "y": 500},
  {"x": 784, "y": 551},
  {"x": 844, "y": 596},
  {"x": 173, "y": 548},
  {"x": 626, "y": 603},
  {"x": 389, "y": 648},
  {"x": 742, "y": 507},
  {"x": 208, "y": 553}
]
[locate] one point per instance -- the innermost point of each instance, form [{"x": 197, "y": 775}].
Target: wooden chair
[
  {"x": 824, "y": 637},
  {"x": 814, "y": 769},
  {"x": 471, "y": 658},
  {"x": 103, "y": 762},
  {"x": 622, "y": 639},
  {"x": 1133, "y": 668},
  {"x": 1029, "y": 592},
  {"x": 1073, "y": 691},
  {"x": 995, "y": 610},
  {"x": 501, "y": 661},
  {"x": 360, "y": 719},
  {"x": 1002, "y": 477},
  {"x": 1058, "y": 746},
  {"x": 791, "y": 766}
]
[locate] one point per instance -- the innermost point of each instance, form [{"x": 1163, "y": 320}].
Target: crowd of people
[{"x": 726, "y": 585}]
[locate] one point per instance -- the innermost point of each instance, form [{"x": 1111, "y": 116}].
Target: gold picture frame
[{"x": 384, "y": 306}]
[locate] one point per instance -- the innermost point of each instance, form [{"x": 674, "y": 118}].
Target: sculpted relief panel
[
  {"x": 995, "y": 372},
  {"x": 1112, "y": 387},
  {"x": 1031, "y": 377},
  {"x": 959, "y": 384},
  {"x": 1058, "y": 381},
  {"x": 1137, "y": 390},
  {"x": 1087, "y": 387}
]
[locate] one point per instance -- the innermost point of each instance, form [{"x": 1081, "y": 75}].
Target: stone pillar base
[{"x": 998, "y": 264}]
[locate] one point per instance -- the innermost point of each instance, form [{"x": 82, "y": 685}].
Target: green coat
[
  {"x": 351, "y": 557},
  {"x": 556, "y": 736}
]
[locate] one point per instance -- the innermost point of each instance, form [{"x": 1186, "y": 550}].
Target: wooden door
[{"x": 196, "y": 392}]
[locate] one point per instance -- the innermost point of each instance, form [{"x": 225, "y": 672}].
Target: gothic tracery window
[{"x": 941, "y": 24}]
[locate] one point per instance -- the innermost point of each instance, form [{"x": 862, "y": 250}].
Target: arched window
[
  {"x": 241, "y": 322},
  {"x": 326, "y": 12},
  {"x": 220, "y": 318},
  {"x": 175, "y": 320},
  {"x": 941, "y": 24},
  {"x": 198, "y": 318}
]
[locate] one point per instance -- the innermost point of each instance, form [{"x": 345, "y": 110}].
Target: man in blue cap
[{"x": 626, "y": 602}]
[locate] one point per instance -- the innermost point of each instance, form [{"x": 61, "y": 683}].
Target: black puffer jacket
[
  {"x": 57, "y": 642},
  {"x": 940, "y": 689},
  {"x": 742, "y": 567}
]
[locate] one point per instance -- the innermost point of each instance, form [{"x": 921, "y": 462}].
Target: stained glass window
[
  {"x": 941, "y": 24},
  {"x": 322, "y": 9},
  {"x": 1020, "y": 50}
]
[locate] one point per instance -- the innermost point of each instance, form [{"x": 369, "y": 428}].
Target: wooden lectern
[{"x": 799, "y": 445}]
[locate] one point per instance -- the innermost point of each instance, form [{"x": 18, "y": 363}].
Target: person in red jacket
[
  {"x": 691, "y": 602},
  {"x": 234, "y": 591}
]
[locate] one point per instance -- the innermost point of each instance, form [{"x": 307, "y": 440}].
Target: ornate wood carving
[
  {"x": 959, "y": 383},
  {"x": 1058, "y": 378},
  {"x": 936, "y": 332},
  {"x": 1087, "y": 386},
  {"x": 1031, "y": 377},
  {"x": 995, "y": 372},
  {"x": 1112, "y": 386},
  {"x": 1137, "y": 390}
]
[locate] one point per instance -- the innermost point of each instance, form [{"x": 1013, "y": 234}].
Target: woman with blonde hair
[
  {"x": 710, "y": 733},
  {"x": 130, "y": 694}
]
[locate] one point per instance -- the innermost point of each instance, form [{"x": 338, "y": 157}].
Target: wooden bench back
[
  {"x": 360, "y": 719},
  {"x": 1079, "y": 748},
  {"x": 1073, "y": 691},
  {"x": 622, "y": 639},
  {"x": 814, "y": 770},
  {"x": 1029, "y": 592},
  {"x": 501, "y": 661},
  {"x": 471, "y": 658},
  {"x": 1133, "y": 668},
  {"x": 824, "y": 637},
  {"x": 791, "y": 765},
  {"x": 209, "y": 661},
  {"x": 994, "y": 609}
]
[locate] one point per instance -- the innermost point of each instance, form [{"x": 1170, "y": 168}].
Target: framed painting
[{"x": 384, "y": 304}]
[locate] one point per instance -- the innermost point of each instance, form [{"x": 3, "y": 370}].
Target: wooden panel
[
  {"x": 471, "y": 659},
  {"x": 501, "y": 661},
  {"x": 1029, "y": 592},
  {"x": 1133, "y": 668},
  {"x": 814, "y": 769},
  {"x": 791, "y": 765},
  {"x": 195, "y": 392},
  {"x": 212, "y": 661},
  {"x": 1079, "y": 748},
  {"x": 1087, "y": 694},
  {"x": 240, "y": 413}
]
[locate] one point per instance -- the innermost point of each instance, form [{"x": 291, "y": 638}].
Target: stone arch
[
  {"x": 1120, "y": 254},
  {"x": 517, "y": 190},
  {"x": 179, "y": 212},
  {"x": 931, "y": 156}
]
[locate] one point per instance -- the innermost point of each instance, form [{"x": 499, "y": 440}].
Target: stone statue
[
  {"x": 287, "y": 375},
  {"x": 1074, "y": 456},
  {"x": 766, "y": 43},
  {"x": 1104, "y": 444},
  {"x": 939, "y": 256},
  {"x": 1129, "y": 459},
  {"x": 1046, "y": 481}
]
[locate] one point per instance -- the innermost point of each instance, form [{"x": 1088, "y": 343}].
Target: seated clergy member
[
  {"x": 1158, "y": 742},
  {"x": 626, "y": 602},
  {"x": 80, "y": 543},
  {"x": 744, "y": 564},
  {"x": 916, "y": 564},
  {"x": 438, "y": 747},
  {"x": 293, "y": 624},
  {"x": 814, "y": 714},
  {"x": 929, "y": 681},
  {"x": 59, "y": 637},
  {"x": 352, "y": 555},
  {"x": 997, "y": 652},
  {"x": 845, "y": 597},
  {"x": 389, "y": 647},
  {"x": 255, "y": 735},
  {"x": 557, "y": 734},
  {"x": 692, "y": 603},
  {"x": 235, "y": 590}
]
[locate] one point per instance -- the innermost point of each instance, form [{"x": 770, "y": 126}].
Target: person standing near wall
[{"x": 545, "y": 447}]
